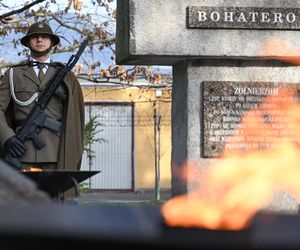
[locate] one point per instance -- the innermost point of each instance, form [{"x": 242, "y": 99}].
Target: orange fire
[
  {"x": 31, "y": 169},
  {"x": 284, "y": 51},
  {"x": 244, "y": 180}
]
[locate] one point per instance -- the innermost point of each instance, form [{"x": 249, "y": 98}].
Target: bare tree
[{"x": 72, "y": 20}]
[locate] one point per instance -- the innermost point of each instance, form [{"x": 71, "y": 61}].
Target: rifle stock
[{"x": 35, "y": 119}]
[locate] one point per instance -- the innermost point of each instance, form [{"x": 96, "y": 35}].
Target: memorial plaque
[
  {"x": 240, "y": 116},
  {"x": 243, "y": 18}
]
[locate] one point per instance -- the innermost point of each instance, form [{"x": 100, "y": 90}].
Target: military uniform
[
  {"x": 63, "y": 148},
  {"x": 70, "y": 112}
]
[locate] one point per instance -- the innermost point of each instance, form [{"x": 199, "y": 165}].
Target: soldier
[{"x": 20, "y": 88}]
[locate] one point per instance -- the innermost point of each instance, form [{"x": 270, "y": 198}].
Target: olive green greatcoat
[{"x": 67, "y": 148}]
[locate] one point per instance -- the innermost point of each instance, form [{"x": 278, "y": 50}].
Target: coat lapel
[
  {"x": 48, "y": 76},
  {"x": 30, "y": 74}
]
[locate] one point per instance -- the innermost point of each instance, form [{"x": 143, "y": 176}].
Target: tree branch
[
  {"x": 21, "y": 9},
  {"x": 63, "y": 23}
]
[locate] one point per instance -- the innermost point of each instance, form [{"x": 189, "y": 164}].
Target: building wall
[{"x": 146, "y": 101}]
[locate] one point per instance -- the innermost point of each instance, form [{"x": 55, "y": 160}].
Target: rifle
[{"x": 36, "y": 118}]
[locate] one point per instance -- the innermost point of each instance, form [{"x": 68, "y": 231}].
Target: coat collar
[{"x": 30, "y": 74}]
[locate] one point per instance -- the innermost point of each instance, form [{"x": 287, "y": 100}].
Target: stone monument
[{"x": 221, "y": 63}]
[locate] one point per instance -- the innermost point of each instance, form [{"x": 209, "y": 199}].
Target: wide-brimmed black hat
[{"x": 40, "y": 28}]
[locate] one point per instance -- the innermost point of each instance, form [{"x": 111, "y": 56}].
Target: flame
[
  {"x": 31, "y": 169},
  {"x": 282, "y": 49},
  {"x": 246, "y": 179}
]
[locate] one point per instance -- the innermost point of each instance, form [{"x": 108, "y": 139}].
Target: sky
[
  {"x": 62, "y": 3},
  {"x": 10, "y": 54}
]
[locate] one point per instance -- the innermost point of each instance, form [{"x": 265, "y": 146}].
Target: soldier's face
[{"x": 39, "y": 43}]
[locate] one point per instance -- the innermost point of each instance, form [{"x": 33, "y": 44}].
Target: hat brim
[{"x": 55, "y": 39}]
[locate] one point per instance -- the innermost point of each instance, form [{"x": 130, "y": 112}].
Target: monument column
[{"x": 216, "y": 47}]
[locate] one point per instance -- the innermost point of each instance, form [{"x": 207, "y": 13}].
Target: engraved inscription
[
  {"x": 228, "y": 110},
  {"x": 243, "y": 17}
]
